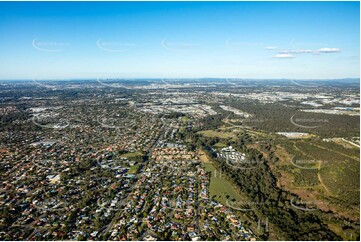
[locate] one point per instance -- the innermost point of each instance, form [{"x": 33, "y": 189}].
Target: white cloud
[
  {"x": 296, "y": 51},
  {"x": 270, "y": 48},
  {"x": 288, "y": 53},
  {"x": 328, "y": 50},
  {"x": 283, "y": 56},
  {"x": 319, "y": 51}
]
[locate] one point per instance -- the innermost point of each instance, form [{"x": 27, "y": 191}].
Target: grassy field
[
  {"x": 184, "y": 119},
  {"x": 132, "y": 154},
  {"x": 133, "y": 169},
  {"x": 220, "y": 145},
  {"x": 220, "y": 187},
  {"x": 203, "y": 157},
  {"x": 218, "y": 134}
]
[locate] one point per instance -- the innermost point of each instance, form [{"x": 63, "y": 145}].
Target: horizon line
[{"x": 179, "y": 78}]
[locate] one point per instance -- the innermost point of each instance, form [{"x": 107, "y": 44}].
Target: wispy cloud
[
  {"x": 289, "y": 53},
  {"x": 270, "y": 48},
  {"x": 296, "y": 51},
  {"x": 307, "y": 51},
  {"x": 283, "y": 56},
  {"x": 328, "y": 50}
]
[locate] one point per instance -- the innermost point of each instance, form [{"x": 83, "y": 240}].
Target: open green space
[
  {"x": 217, "y": 134},
  {"x": 132, "y": 154},
  {"x": 220, "y": 145},
  {"x": 339, "y": 171},
  {"x": 184, "y": 119},
  {"x": 133, "y": 169},
  {"x": 220, "y": 187}
]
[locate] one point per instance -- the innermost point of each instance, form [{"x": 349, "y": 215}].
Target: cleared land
[
  {"x": 218, "y": 134},
  {"x": 220, "y": 187},
  {"x": 133, "y": 169},
  {"x": 220, "y": 145},
  {"x": 132, "y": 154},
  {"x": 330, "y": 174}
]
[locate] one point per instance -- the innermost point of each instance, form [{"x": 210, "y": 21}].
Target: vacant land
[
  {"x": 203, "y": 156},
  {"x": 318, "y": 170},
  {"x": 217, "y": 134},
  {"x": 132, "y": 154},
  {"x": 220, "y": 145},
  {"x": 220, "y": 188},
  {"x": 338, "y": 170},
  {"x": 133, "y": 169}
]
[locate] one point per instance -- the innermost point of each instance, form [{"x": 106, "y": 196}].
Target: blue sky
[{"x": 302, "y": 40}]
